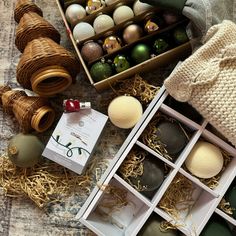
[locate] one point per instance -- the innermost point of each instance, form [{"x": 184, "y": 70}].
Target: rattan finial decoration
[
  {"x": 45, "y": 67},
  {"x": 33, "y": 26},
  {"x": 30, "y": 112},
  {"x": 23, "y": 6}
]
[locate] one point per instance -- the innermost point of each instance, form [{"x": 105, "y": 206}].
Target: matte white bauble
[
  {"x": 122, "y": 14},
  {"x": 102, "y": 23},
  {"x": 110, "y": 2},
  {"x": 74, "y": 13},
  {"x": 140, "y": 7},
  {"x": 205, "y": 160},
  {"x": 82, "y": 31}
]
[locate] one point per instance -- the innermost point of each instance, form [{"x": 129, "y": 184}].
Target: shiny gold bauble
[{"x": 111, "y": 44}]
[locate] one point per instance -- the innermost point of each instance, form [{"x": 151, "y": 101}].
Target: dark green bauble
[
  {"x": 172, "y": 136},
  {"x": 25, "y": 150},
  {"x": 100, "y": 71},
  {"x": 140, "y": 53},
  {"x": 153, "y": 174},
  {"x": 121, "y": 63},
  {"x": 152, "y": 228},
  {"x": 160, "y": 46},
  {"x": 231, "y": 198},
  {"x": 216, "y": 228},
  {"x": 180, "y": 35}
]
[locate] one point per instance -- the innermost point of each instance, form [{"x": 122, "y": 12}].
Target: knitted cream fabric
[{"x": 207, "y": 79}]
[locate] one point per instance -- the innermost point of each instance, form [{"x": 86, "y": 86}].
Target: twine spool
[
  {"x": 30, "y": 112},
  {"x": 24, "y": 6},
  {"x": 46, "y": 67},
  {"x": 33, "y": 26}
]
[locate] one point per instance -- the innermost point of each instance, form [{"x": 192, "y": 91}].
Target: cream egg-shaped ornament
[
  {"x": 74, "y": 13},
  {"x": 102, "y": 23},
  {"x": 110, "y": 2},
  {"x": 122, "y": 13},
  {"x": 205, "y": 160},
  {"x": 125, "y": 111},
  {"x": 140, "y": 7},
  {"x": 25, "y": 150},
  {"x": 82, "y": 31}
]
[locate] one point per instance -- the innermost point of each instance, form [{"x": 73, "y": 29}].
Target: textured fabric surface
[
  {"x": 19, "y": 216},
  {"x": 207, "y": 79}
]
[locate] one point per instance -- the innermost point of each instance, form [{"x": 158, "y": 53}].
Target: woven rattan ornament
[
  {"x": 33, "y": 26},
  {"x": 23, "y": 6},
  {"x": 46, "y": 67},
  {"x": 30, "y": 112}
]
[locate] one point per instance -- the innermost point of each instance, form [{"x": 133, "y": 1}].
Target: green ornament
[
  {"x": 180, "y": 35},
  {"x": 231, "y": 198},
  {"x": 216, "y": 228},
  {"x": 121, "y": 63},
  {"x": 160, "y": 46},
  {"x": 100, "y": 71},
  {"x": 152, "y": 228},
  {"x": 25, "y": 150},
  {"x": 141, "y": 52}
]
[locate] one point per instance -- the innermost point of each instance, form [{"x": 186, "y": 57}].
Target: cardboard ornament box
[
  {"x": 196, "y": 211},
  {"x": 175, "y": 52}
]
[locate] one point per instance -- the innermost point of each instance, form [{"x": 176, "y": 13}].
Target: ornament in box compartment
[
  {"x": 153, "y": 226},
  {"x": 121, "y": 63},
  {"x": 142, "y": 171},
  {"x": 140, "y": 53},
  {"x": 82, "y": 31},
  {"x": 140, "y": 7},
  {"x": 168, "y": 144},
  {"x": 94, "y": 5},
  {"x": 112, "y": 43},
  {"x": 205, "y": 160},
  {"x": 160, "y": 46},
  {"x": 74, "y": 13},
  {"x": 102, "y": 23},
  {"x": 91, "y": 51},
  {"x": 132, "y": 33},
  {"x": 216, "y": 226},
  {"x": 122, "y": 13},
  {"x": 100, "y": 70},
  {"x": 230, "y": 197}
]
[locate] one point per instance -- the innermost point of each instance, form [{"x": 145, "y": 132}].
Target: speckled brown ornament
[{"x": 91, "y": 51}]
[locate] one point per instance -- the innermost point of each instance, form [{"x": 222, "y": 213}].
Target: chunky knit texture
[{"x": 207, "y": 79}]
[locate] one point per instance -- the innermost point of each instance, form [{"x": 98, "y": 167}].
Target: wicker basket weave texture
[
  {"x": 8, "y": 99},
  {"x": 41, "y": 53},
  {"x": 33, "y": 26},
  {"x": 23, "y": 6},
  {"x": 24, "y": 109}
]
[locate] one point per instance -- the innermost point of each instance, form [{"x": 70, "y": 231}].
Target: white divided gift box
[{"x": 131, "y": 218}]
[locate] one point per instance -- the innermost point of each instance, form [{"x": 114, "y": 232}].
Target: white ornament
[
  {"x": 83, "y": 31},
  {"x": 74, "y": 13},
  {"x": 122, "y": 14},
  {"x": 140, "y": 7},
  {"x": 103, "y": 23}
]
